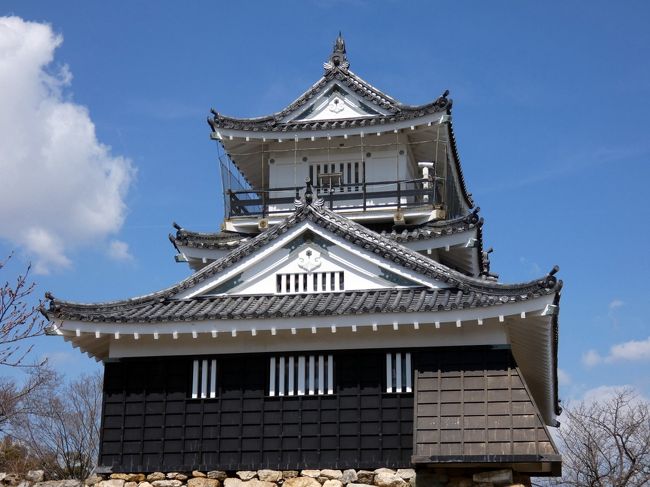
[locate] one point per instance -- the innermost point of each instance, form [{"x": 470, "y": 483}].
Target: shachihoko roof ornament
[{"x": 338, "y": 59}]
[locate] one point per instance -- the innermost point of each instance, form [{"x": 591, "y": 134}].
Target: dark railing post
[
  {"x": 265, "y": 202},
  {"x": 399, "y": 195},
  {"x": 364, "y": 195},
  {"x": 230, "y": 202}
]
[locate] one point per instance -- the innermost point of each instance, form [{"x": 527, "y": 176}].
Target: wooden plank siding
[
  {"x": 474, "y": 407},
  {"x": 151, "y": 424}
]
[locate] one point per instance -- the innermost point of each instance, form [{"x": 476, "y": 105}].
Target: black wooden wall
[{"x": 150, "y": 424}]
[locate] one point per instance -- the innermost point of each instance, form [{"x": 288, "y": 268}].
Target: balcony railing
[{"x": 361, "y": 196}]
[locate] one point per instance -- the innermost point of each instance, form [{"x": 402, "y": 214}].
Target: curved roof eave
[{"x": 356, "y": 234}]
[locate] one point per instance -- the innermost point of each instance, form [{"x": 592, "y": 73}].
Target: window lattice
[
  {"x": 398, "y": 372},
  {"x": 301, "y": 375},
  {"x": 302, "y": 282},
  {"x": 204, "y": 378}
]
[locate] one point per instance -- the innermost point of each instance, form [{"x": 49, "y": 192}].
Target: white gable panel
[
  {"x": 334, "y": 103},
  {"x": 257, "y": 272},
  {"x": 312, "y": 268}
]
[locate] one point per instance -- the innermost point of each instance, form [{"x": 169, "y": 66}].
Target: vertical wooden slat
[
  {"x": 281, "y": 377},
  {"x": 291, "y": 376},
  {"x": 272, "y": 377},
  {"x": 398, "y": 372},
  {"x": 409, "y": 373},
  {"x": 312, "y": 366},
  {"x": 213, "y": 378},
  {"x": 321, "y": 374},
  {"x": 389, "y": 373},
  {"x": 330, "y": 374},
  {"x": 301, "y": 375},
  {"x": 204, "y": 379},
  {"x": 195, "y": 379}
]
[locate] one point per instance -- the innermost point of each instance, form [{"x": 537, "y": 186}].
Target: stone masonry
[{"x": 382, "y": 477}]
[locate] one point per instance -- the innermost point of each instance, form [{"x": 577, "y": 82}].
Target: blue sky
[{"x": 550, "y": 112}]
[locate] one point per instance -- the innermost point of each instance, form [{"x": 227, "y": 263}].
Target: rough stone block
[
  {"x": 93, "y": 479},
  {"x": 103, "y": 483},
  {"x": 387, "y": 479},
  {"x": 220, "y": 475},
  {"x": 301, "y": 482},
  {"x": 131, "y": 484},
  {"x": 349, "y": 476},
  {"x": 155, "y": 476},
  {"x": 196, "y": 473},
  {"x": 120, "y": 476},
  {"x": 289, "y": 474},
  {"x": 269, "y": 475},
  {"x": 310, "y": 473},
  {"x": 496, "y": 477},
  {"x": 75, "y": 483},
  {"x": 203, "y": 482},
  {"x": 331, "y": 474},
  {"x": 167, "y": 483},
  {"x": 365, "y": 477},
  {"x": 332, "y": 483},
  {"x": 235, "y": 482},
  {"x": 384, "y": 470},
  {"x": 35, "y": 475},
  {"x": 246, "y": 474},
  {"x": 406, "y": 473}
]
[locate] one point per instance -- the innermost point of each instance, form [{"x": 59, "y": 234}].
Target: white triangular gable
[
  {"x": 336, "y": 102},
  {"x": 289, "y": 263}
]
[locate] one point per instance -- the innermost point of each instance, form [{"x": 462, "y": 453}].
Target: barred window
[
  {"x": 398, "y": 372},
  {"x": 301, "y": 375},
  {"x": 204, "y": 379},
  {"x": 302, "y": 282}
]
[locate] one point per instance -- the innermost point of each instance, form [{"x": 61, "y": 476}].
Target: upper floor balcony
[{"x": 390, "y": 179}]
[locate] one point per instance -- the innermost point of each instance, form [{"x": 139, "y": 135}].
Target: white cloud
[
  {"x": 604, "y": 393},
  {"x": 615, "y": 303},
  {"x": 118, "y": 250},
  {"x": 634, "y": 350},
  {"x": 563, "y": 377},
  {"x": 591, "y": 358},
  {"x": 60, "y": 187}
]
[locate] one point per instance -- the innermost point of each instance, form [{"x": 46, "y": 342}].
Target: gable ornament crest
[{"x": 309, "y": 260}]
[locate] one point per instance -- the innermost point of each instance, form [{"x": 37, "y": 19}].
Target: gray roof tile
[{"x": 162, "y": 306}]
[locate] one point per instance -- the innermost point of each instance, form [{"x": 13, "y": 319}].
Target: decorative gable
[
  {"x": 311, "y": 263},
  {"x": 336, "y": 102}
]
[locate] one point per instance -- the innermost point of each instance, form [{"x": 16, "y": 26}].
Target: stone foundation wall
[{"x": 382, "y": 477}]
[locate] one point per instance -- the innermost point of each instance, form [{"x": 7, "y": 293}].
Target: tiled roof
[
  {"x": 208, "y": 240},
  {"x": 426, "y": 231},
  {"x": 274, "y": 306},
  {"x": 436, "y": 229},
  {"x": 340, "y": 73},
  {"x": 354, "y": 233},
  {"x": 273, "y": 123}
]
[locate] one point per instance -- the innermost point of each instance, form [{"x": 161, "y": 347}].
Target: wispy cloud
[
  {"x": 631, "y": 351},
  {"x": 166, "y": 109},
  {"x": 533, "y": 267},
  {"x": 119, "y": 251},
  {"x": 563, "y": 377},
  {"x": 615, "y": 303},
  {"x": 576, "y": 163}
]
